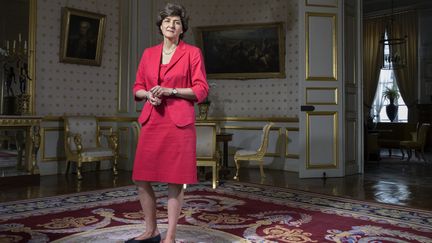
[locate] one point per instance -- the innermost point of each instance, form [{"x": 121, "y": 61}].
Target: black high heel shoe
[{"x": 154, "y": 239}]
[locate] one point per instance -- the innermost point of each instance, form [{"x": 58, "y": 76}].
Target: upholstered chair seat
[
  {"x": 245, "y": 152},
  {"x": 96, "y": 152}
]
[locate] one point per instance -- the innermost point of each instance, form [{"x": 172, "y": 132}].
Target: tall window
[{"x": 387, "y": 80}]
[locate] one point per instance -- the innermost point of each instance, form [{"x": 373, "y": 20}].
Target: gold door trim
[
  {"x": 334, "y": 47},
  {"x": 333, "y": 164},
  {"x": 321, "y": 5},
  {"x": 334, "y": 89}
]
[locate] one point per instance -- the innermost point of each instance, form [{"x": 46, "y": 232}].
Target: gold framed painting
[
  {"x": 250, "y": 51},
  {"x": 82, "y": 35}
]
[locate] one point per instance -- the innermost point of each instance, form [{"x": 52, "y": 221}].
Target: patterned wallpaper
[
  {"x": 63, "y": 88},
  {"x": 249, "y": 98}
]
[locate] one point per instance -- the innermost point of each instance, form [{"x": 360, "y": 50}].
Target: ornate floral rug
[{"x": 234, "y": 212}]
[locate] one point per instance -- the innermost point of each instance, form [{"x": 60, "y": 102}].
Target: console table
[{"x": 31, "y": 140}]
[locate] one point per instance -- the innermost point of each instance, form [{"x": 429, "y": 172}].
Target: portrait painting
[
  {"x": 82, "y": 36},
  {"x": 250, "y": 51}
]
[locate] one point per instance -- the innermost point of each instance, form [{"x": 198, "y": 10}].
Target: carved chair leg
[
  {"x": 67, "y": 166},
  {"x": 79, "y": 167},
  {"x": 422, "y": 155},
  {"x": 236, "y": 177},
  {"x": 214, "y": 176},
  {"x": 115, "y": 172},
  {"x": 261, "y": 162},
  {"x": 409, "y": 154},
  {"x": 402, "y": 151}
]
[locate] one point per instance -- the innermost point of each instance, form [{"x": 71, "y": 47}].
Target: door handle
[{"x": 307, "y": 108}]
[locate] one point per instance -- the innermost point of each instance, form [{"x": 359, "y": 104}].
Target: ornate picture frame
[
  {"x": 250, "y": 51},
  {"x": 82, "y": 35}
]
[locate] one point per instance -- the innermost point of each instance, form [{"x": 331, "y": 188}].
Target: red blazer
[{"x": 185, "y": 70}]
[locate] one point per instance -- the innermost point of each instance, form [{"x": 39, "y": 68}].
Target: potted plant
[
  {"x": 203, "y": 107},
  {"x": 391, "y": 94}
]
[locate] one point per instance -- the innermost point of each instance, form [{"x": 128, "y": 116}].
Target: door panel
[
  {"x": 321, "y": 133},
  {"x": 321, "y": 142}
]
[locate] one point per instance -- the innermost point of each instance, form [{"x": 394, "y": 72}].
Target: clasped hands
[{"x": 154, "y": 95}]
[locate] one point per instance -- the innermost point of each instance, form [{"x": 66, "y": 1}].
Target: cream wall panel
[
  {"x": 325, "y": 96},
  {"x": 292, "y": 145},
  {"x": 321, "y": 46},
  {"x": 254, "y": 97},
  {"x": 71, "y": 88},
  {"x": 52, "y": 144},
  {"x": 321, "y": 148},
  {"x": 322, "y": 3}
]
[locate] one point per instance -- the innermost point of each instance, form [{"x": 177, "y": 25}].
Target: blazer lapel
[{"x": 179, "y": 52}]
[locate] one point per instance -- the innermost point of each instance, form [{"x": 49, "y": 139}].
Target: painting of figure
[{"x": 82, "y": 37}]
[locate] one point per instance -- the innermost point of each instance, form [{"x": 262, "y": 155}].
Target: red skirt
[{"x": 165, "y": 152}]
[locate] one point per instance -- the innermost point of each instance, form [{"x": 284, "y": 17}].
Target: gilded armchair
[
  {"x": 255, "y": 155},
  {"x": 83, "y": 143}
]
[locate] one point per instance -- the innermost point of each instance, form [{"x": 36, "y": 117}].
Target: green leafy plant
[{"x": 391, "y": 94}]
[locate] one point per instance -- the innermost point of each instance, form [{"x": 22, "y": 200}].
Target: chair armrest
[
  {"x": 77, "y": 141},
  {"x": 113, "y": 140}
]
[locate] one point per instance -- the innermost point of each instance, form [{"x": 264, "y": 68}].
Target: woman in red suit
[{"x": 170, "y": 78}]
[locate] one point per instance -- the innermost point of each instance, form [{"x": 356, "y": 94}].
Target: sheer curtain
[
  {"x": 405, "y": 24},
  {"x": 372, "y": 59}
]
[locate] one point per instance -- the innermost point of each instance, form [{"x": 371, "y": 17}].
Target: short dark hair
[{"x": 173, "y": 9}]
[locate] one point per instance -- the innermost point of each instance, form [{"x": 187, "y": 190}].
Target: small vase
[
  {"x": 203, "y": 111},
  {"x": 391, "y": 110},
  {"x": 24, "y": 104}
]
